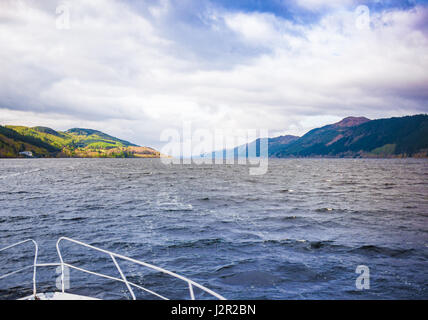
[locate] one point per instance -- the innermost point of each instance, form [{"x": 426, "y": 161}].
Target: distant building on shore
[{"x": 26, "y": 153}]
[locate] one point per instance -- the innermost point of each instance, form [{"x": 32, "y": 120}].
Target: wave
[
  {"x": 17, "y": 192},
  {"x": 378, "y": 250},
  {"x": 285, "y": 190},
  {"x": 251, "y": 278},
  {"x": 74, "y": 219},
  {"x": 19, "y": 173},
  {"x": 201, "y": 243},
  {"x": 324, "y": 209}
]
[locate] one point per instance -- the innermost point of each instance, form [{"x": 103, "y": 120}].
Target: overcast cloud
[{"x": 132, "y": 69}]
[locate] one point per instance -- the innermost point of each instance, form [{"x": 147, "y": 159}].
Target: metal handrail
[
  {"x": 113, "y": 255},
  {"x": 114, "y": 278},
  {"x": 36, "y": 250}
]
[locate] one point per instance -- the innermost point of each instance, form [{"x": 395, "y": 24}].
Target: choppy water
[{"x": 298, "y": 232}]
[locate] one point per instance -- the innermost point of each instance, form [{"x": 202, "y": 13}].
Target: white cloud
[
  {"x": 133, "y": 74},
  {"x": 255, "y": 27},
  {"x": 317, "y": 4}
]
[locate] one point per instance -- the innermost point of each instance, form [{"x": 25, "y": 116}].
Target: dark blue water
[{"x": 297, "y": 232}]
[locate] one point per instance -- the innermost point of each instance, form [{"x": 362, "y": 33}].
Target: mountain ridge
[
  {"x": 350, "y": 137},
  {"x": 390, "y": 137},
  {"x": 351, "y": 121}
]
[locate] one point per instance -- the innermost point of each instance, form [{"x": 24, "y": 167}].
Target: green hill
[
  {"x": 12, "y": 142},
  {"x": 90, "y": 136},
  {"x": 361, "y": 137},
  {"x": 76, "y": 142},
  {"x": 253, "y": 148}
]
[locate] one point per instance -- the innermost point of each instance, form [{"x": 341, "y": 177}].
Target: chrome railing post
[
  {"x": 35, "y": 267},
  {"x": 192, "y": 294},
  {"x": 123, "y": 277},
  {"x": 62, "y": 264}
]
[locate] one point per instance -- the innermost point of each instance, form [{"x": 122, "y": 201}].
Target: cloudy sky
[{"x": 135, "y": 68}]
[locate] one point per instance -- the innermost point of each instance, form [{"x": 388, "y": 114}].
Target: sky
[{"x": 134, "y": 68}]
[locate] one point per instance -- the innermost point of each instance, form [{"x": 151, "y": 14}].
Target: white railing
[
  {"x": 191, "y": 284},
  {"x": 123, "y": 278},
  {"x": 34, "y": 266}
]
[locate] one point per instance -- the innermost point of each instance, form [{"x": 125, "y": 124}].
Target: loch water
[{"x": 297, "y": 232}]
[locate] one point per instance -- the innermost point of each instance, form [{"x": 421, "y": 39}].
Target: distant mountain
[
  {"x": 361, "y": 137},
  {"x": 280, "y": 142},
  {"x": 253, "y": 148},
  {"x": 350, "y": 137},
  {"x": 350, "y": 122},
  {"x": 76, "y": 142}
]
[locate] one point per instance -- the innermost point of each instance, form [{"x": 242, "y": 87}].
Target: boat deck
[{"x": 58, "y": 296}]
